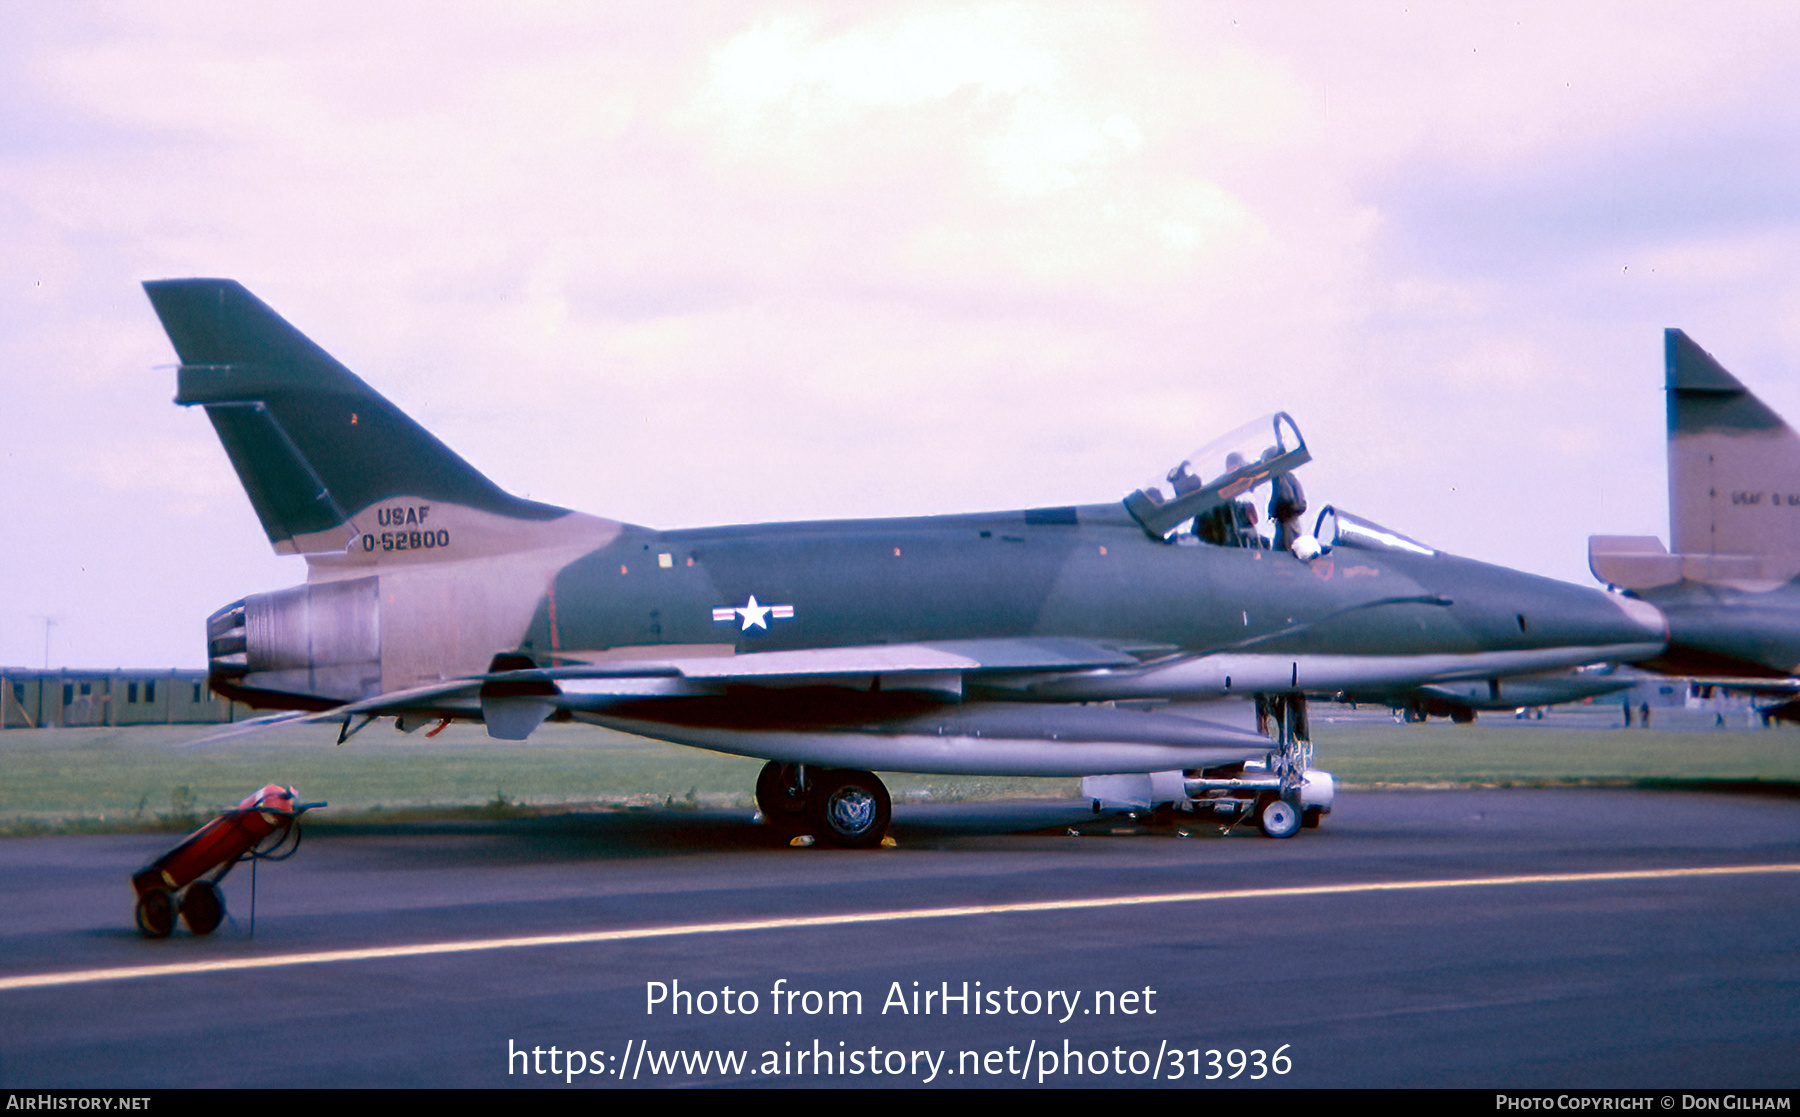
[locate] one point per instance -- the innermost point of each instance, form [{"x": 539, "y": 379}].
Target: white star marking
[{"x": 752, "y": 614}]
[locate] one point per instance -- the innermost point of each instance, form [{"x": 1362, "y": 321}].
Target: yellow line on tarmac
[{"x": 575, "y": 938}]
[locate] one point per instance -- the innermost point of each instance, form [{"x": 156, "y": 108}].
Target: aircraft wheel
[
  {"x": 202, "y": 906},
  {"x": 1279, "y": 818},
  {"x": 1309, "y": 817},
  {"x": 783, "y": 806},
  {"x": 156, "y": 914},
  {"x": 850, "y": 809}
]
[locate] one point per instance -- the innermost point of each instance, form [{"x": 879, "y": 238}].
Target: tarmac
[{"x": 1495, "y": 939}]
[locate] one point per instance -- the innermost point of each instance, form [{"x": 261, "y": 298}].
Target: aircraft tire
[
  {"x": 1278, "y": 818},
  {"x": 850, "y": 809},
  {"x": 202, "y": 907},
  {"x": 1309, "y": 818},
  {"x": 156, "y": 914},
  {"x": 782, "y": 809}
]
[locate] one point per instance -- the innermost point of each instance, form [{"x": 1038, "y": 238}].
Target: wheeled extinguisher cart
[{"x": 264, "y": 827}]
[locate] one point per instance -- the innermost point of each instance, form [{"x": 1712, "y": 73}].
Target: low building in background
[{"x": 32, "y": 699}]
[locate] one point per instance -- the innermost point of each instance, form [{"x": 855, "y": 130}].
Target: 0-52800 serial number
[
  {"x": 1214, "y": 1064},
  {"x": 406, "y": 540}
]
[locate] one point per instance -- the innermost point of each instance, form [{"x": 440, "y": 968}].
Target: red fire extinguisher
[{"x": 261, "y": 827}]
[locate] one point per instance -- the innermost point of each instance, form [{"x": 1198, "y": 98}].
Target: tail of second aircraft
[
  {"x": 1734, "y": 485},
  {"x": 328, "y": 463}
]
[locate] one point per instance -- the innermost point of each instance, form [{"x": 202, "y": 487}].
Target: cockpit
[
  {"x": 1213, "y": 494},
  {"x": 1336, "y": 529},
  {"x": 1239, "y": 491}
]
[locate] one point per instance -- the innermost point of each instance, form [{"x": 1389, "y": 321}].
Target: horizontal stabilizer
[{"x": 1632, "y": 562}]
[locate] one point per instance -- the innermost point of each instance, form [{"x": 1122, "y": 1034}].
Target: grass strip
[{"x": 156, "y": 778}]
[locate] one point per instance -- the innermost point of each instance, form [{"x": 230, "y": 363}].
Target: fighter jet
[
  {"x": 1159, "y": 644},
  {"x": 1728, "y": 584}
]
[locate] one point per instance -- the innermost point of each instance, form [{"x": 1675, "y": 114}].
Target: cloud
[
  {"x": 997, "y": 116},
  {"x": 758, "y": 261}
]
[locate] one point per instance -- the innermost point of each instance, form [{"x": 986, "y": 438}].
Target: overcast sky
[{"x": 682, "y": 264}]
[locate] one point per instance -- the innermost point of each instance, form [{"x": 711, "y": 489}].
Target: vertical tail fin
[
  {"x": 1734, "y": 473},
  {"x": 314, "y": 446}
]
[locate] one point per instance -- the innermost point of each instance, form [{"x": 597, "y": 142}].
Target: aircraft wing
[
  {"x": 1042, "y": 669},
  {"x": 1027, "y": 705},
  {"x": 1751, "y": 683},
  {"x": 935, "y": 666},
  {"x": 896, "y": 707},
  {"x": 938, "y": 657},
  {"x": 1784, "y": 692}
]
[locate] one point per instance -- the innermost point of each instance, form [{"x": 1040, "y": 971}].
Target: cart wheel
[
  {"x": 156, "y": 914},
  {"x": 1278, "y": 818},
  {"x": 202, "y": 906}
]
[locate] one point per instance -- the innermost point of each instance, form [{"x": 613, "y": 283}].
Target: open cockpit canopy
[
  {"x": 1336, "y": 529},
  {"x": 1220, "y": 471}
]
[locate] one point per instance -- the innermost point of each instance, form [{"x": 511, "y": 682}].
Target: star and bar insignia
[{"x": 752, "y": 614}]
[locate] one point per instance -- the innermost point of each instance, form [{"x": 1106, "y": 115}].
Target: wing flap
[
  {"x": 933, "y": 658},
  {"x": 585, "y": 686}
]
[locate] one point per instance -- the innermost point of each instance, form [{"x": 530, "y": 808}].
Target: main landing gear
[{"x": 838, "y": 806}]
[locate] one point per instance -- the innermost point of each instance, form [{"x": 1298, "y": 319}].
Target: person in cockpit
[
  {"x": 1232, "y": 524},
  {"x": 1287, "y": 503},
  {"x": 1183, "y": 480},
  {"x": 1214, "y": 525}
]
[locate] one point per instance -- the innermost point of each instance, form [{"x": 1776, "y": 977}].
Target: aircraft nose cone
[
  {"x": 1512, "y": 609},
  {"x": 1624, "y": 628},
  {"x": 1642, "y": 617}
]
